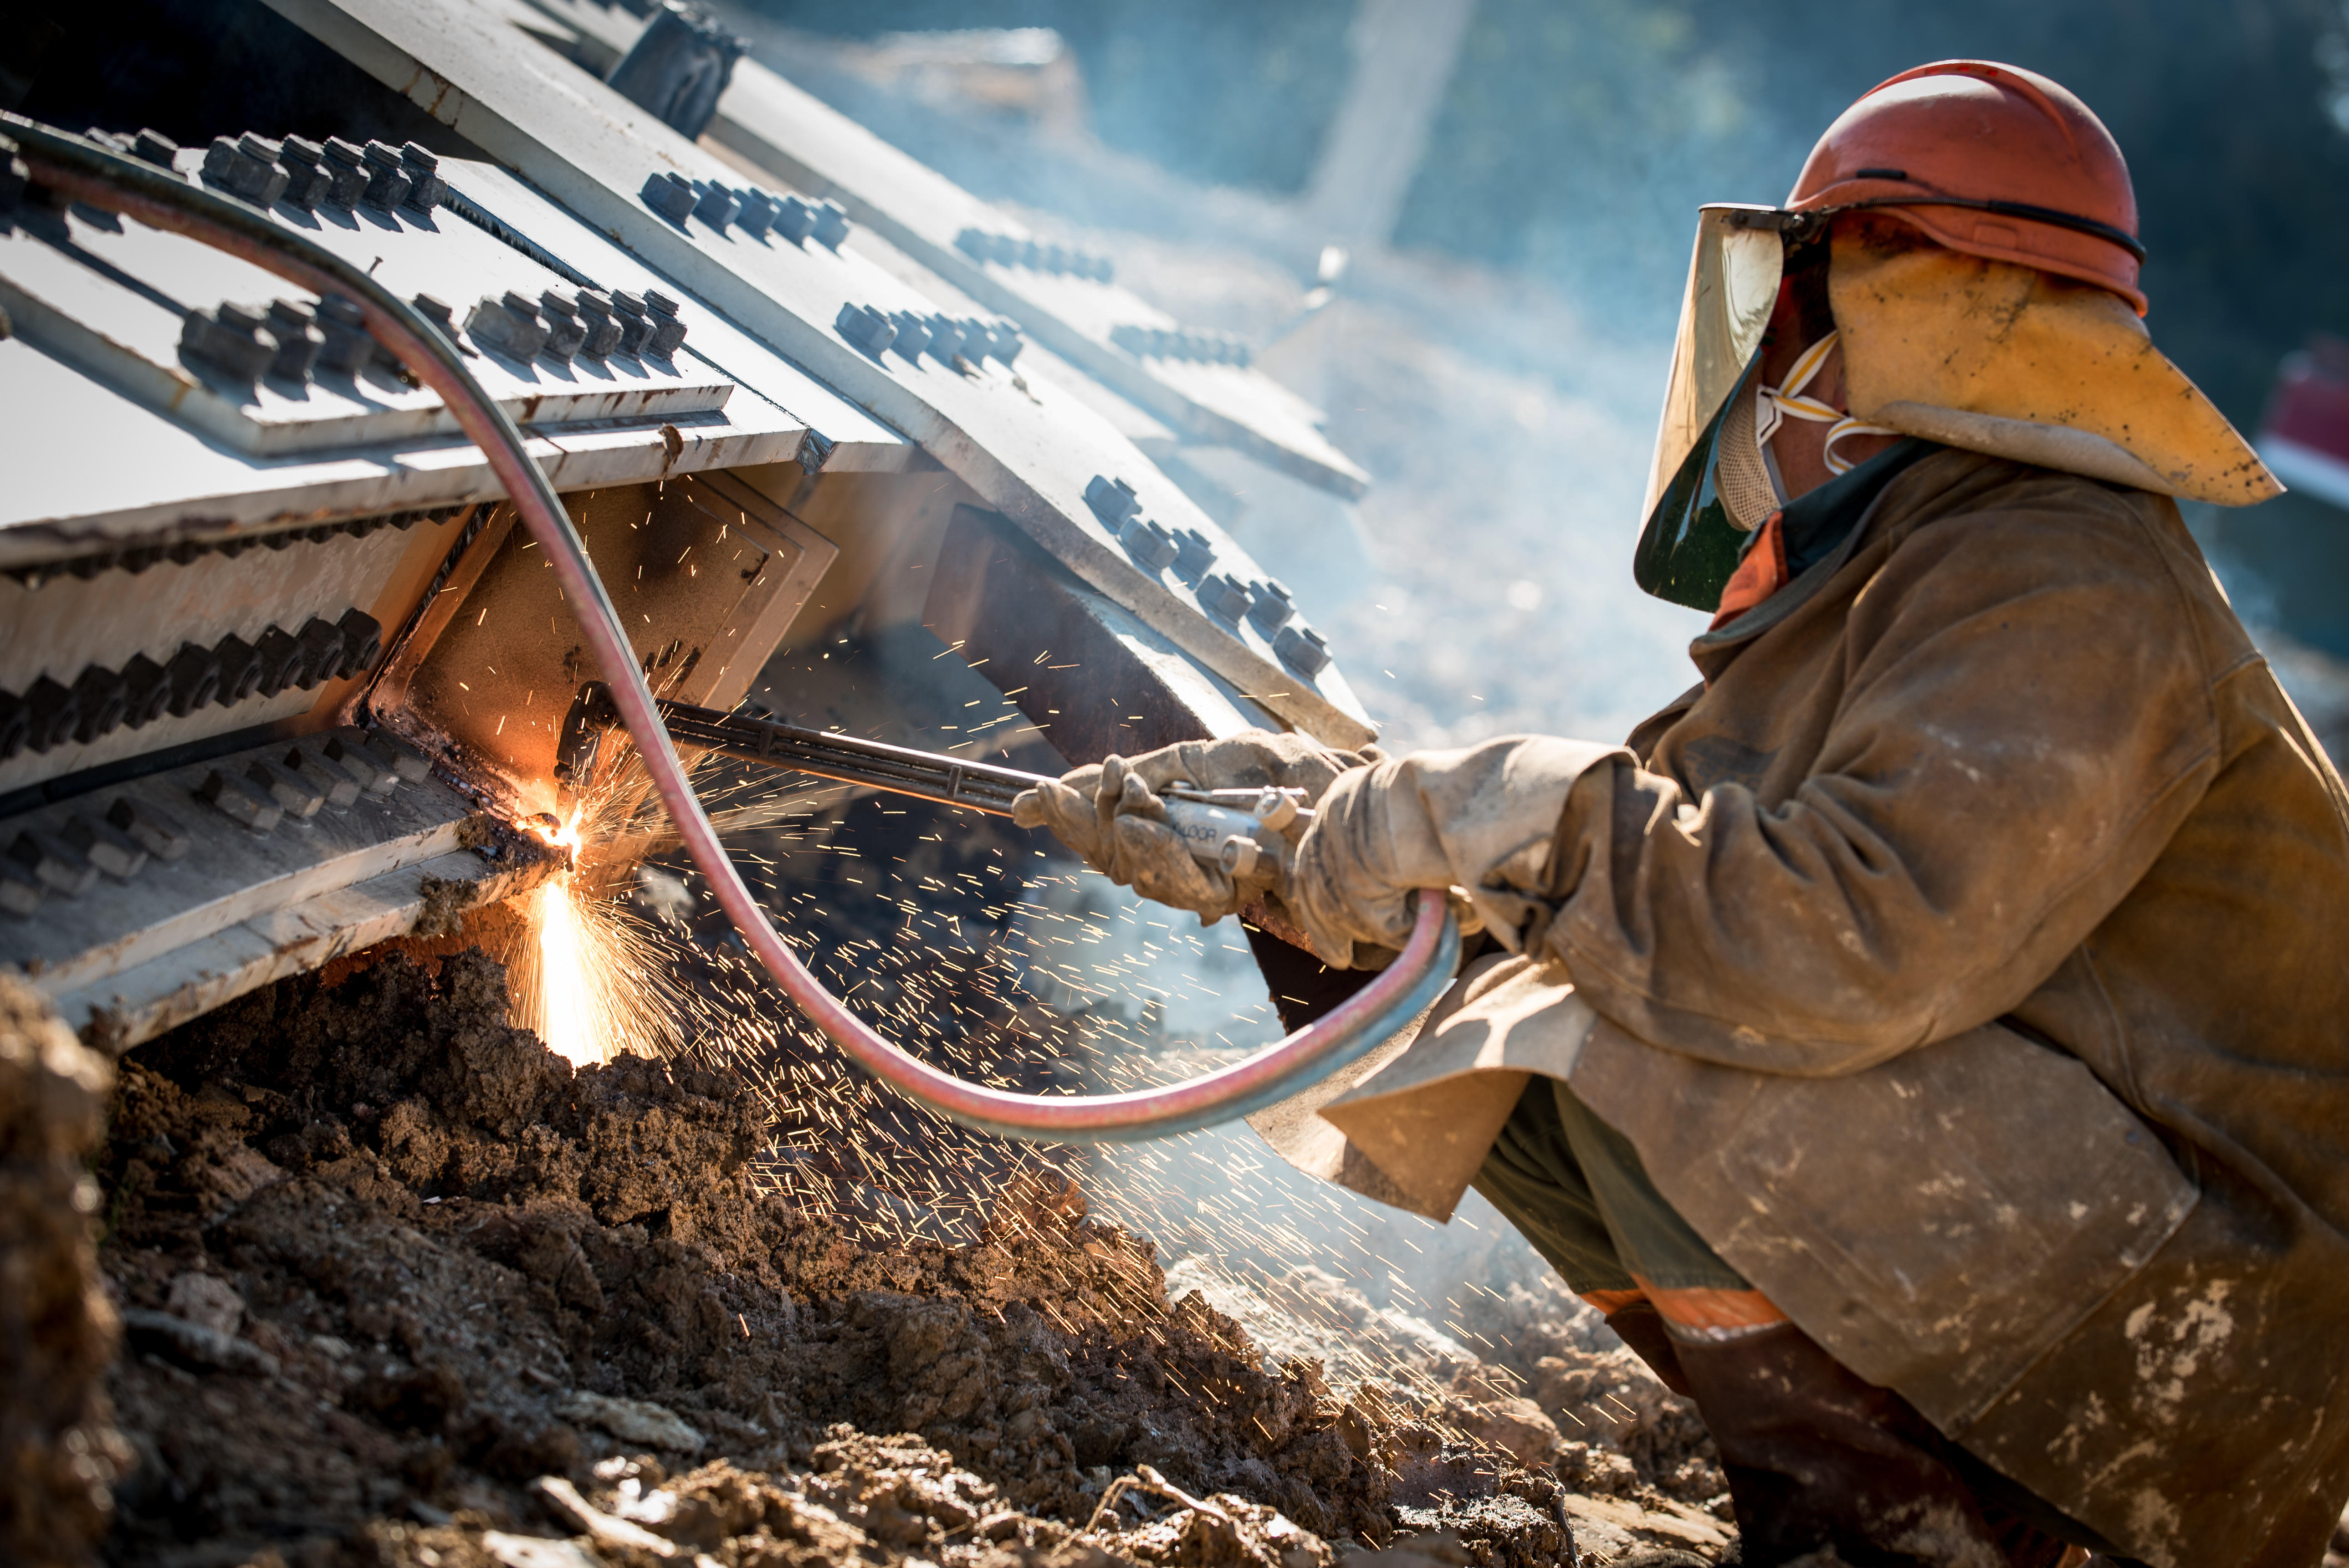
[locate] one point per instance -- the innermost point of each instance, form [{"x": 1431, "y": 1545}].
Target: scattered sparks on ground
[{"x": 990, "y": 953}]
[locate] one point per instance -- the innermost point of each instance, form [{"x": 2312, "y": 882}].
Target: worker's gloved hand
[
  {"x": 1110, "y": 812},
  {"x": 1480, "y": 821},
  {"x": 1252, "y": 760}
]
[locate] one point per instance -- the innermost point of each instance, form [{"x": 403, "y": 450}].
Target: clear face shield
[{"x": 1712, "y": 485}]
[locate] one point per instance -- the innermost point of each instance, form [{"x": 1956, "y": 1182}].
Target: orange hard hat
[{"x": 1990, "y": 160}]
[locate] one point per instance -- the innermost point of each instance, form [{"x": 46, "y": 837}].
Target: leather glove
[
  {"x": 1480, "y": 821},
  {"x": 1110, "y": 813}
]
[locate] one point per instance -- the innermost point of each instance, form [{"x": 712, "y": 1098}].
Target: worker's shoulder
[
  {"x": 2045, "y": 526},
  {"x": 1992, "y": 495},
  {"x": 2115, "y": 561}
]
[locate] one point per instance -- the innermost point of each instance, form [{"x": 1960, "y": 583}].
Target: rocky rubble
[{"x": 400, "y": 1286}]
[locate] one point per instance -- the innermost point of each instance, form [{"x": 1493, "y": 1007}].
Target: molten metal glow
[
  {"x": 564, "y": 996},
  {"x": 589, "y": 981}
]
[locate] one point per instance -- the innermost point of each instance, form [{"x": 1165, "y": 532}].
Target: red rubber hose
[{"x": 83, "y": 171}]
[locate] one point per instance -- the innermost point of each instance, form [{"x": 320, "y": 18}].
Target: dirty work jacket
[{"x": 1968, "y": 960}]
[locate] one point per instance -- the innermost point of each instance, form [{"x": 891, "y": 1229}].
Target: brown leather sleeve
[{"x": 2017, "y": 721}]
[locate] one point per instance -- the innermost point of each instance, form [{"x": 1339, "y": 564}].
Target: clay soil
[{"x": 398, "y": 1285}]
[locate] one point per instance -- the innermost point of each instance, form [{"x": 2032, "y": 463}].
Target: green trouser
[{"x": 1574, "y": 1187}]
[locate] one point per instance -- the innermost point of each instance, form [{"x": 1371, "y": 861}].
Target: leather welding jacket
[{"x": 1968, "y": 960}]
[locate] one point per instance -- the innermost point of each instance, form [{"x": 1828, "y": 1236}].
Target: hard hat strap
[{"x": 1799, "y": 226}]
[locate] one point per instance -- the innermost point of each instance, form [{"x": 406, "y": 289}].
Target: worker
[{"x": 1925, "y": 1038}]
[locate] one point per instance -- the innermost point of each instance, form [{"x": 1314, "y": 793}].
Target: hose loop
[{"x": 83, "y": 171}]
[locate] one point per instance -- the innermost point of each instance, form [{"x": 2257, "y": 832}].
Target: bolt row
[
  {"x": 945, "y": 337},
  {"x": 1265, "y": 605},
  {"x": 331, "y": 770},
  {"x": 302, "y": 173},
  {"x": 565, "y": 325},
  {"x": 1202, "y": 347},
  {"x": 100, "y": 701},
  {"x": 308, "y": 175},
  {"x": 750, "y": 209},
  {"x": 289, "y": 342},
  {"x": 138, "y": 558},
  {"x": 980, "y": 245}
]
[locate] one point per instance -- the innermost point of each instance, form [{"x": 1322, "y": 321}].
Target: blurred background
[{"x": 1511, "y": 185}]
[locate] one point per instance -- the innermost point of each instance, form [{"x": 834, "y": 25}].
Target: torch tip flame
[{"x": 589, "y": 988}]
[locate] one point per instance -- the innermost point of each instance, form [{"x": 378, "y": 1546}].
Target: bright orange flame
[{"x": 588, "y": 985}]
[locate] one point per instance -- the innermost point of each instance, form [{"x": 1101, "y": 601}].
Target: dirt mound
[{"x": 402, "y": 1286}]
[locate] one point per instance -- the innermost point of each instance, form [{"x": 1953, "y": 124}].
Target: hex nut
[
  {"x": 228, "y": 338},
  {"x": 153, "y": 147},
  {"x": 240, "y": 670},
  {"x": 1151, "y": 545},
  {"x": 348, "y": 750},
  {"x": 105, "y": 846},
  {"x": 348, "y": 345},
  {"x": 1195, "y": 556},
  {"x": 246, "y": 168},
  {"x": 1225, "y": 597},
  {"x": 1301, "y": 648},
  {"x": 321, "y": 644},
  {"x": 339, "y": 788},
  {"x": 299, "y": 342},
  {"x": 509, "y": 326},
  {"x": 566, "y": 332},
  {"x": 1271, "y": 609},
  {"x": 278, "y": 657},
  {"x": 157, "y": 832},
  {"x": 635, "y": 326},
  {"x": 388, "y": 180},
  {"x": 296, "y": 794},
  {"x": 241, "y": 801},
  {"x": 408, "y": 764},
  {"x": 946, "y": 337},
  {"x": 667, "y": 330},
  {"x": 671, "y": 195},
  {"x": 346, "y": 162},
  {"x": 425, "y": 187},
  {"x": 1113, "y": 501},
  {"x": 55, "y": 863},
  {"x": 756, "y": 213},
  {"x": 830, "y": 224},
  {"x": 101, "y": 697},
  {"x": 865, "y": 327},
  {"x": 795, "y": 218},
  {"x": 195, "y": 675},
  {"x": 52, "y": 715},
  {"x": 604, "y": 329},
  {"x": 147, "y": 691},
  {"x": 913, "y": 334},
  {"x": 717, "y": 205},
  {"x": 362, "y": 642},
  {"x": 309, "y": 177}
]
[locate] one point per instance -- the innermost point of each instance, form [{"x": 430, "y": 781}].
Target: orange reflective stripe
[
  {"x": 1610, "y": 1302},
  {"x": 1714, "y": 1311},
  {"x": 1762, "y": 573}
]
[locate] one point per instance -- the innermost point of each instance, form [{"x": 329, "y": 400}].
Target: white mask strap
[{"x": 1776, "y": 404}]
